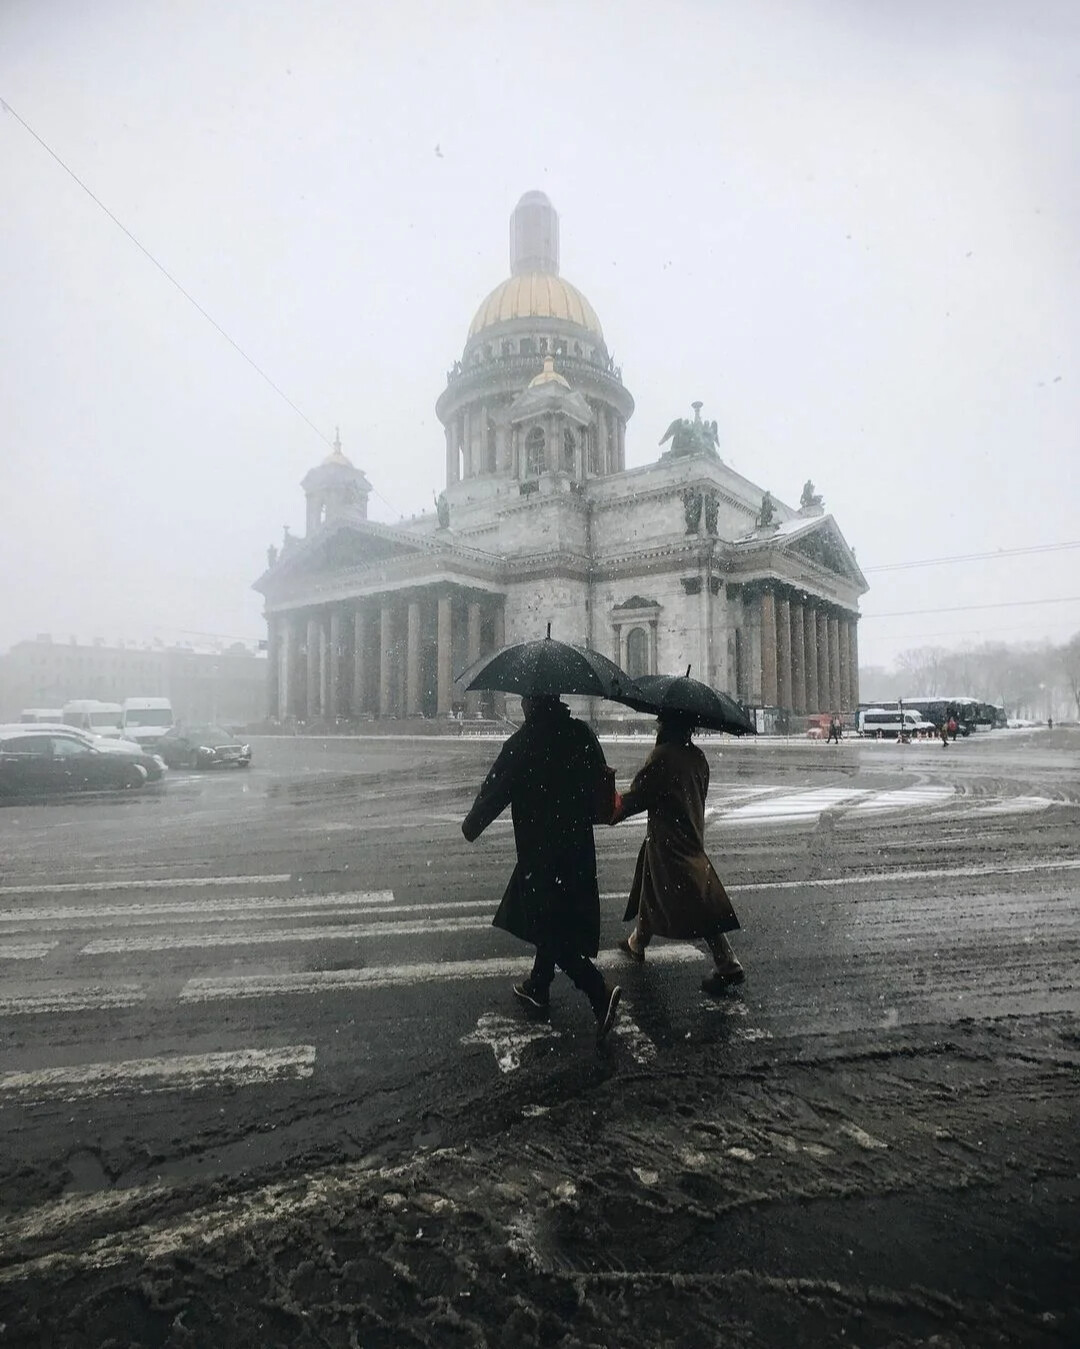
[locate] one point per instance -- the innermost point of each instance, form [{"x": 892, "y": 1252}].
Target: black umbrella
[
  {"x": 547, "y": 668},
  {"x": 708, "y": 708}
]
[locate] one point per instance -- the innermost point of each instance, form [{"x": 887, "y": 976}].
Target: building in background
[
  {"x": 680, "y": 562},
  {"x": 226, "y": 685}
]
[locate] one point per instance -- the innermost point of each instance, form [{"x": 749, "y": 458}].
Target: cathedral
[{"x": 681, "y": 562}]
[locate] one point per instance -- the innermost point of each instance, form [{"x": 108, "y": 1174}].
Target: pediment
[
  {"x": 343, "y": 547},
  {"x": 824, "y": 545}
]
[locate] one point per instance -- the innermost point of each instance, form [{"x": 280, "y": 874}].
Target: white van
[
  {"x": 145, "y": 720},
  {"x": 88, "y": 714},
  {"x": 30, "y": 715},
  {"x": 876, "y": 721}
]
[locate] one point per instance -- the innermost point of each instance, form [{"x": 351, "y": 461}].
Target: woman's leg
[{"x": 728, "y": 969}]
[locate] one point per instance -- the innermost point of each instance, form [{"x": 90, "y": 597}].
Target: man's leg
[
  {"x": 535, "y": 991},
  {"x": 583, "y": 974}
]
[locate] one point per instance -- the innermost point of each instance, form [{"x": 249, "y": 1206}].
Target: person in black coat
[{"x": 548, "y": 773}]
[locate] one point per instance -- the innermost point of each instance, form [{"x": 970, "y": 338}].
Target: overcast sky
[{"x": 850, "y": 227}]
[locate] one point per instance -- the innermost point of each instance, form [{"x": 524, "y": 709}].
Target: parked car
[
  {"x": 41, "y": 759},
  {"x": 203, "y": 747}
]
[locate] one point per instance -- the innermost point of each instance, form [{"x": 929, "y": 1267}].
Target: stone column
[
  {"x": 332, "y": 678},
  {"x": 798, "y": 659},
  {"x": 705, "y": 672},
  {"x": 412, "y": 657},
  {"x": 313, "y": 676},
  {"x": 361, "y": 638},
  {"x": 326, "y": 667},
  {"x": 500, "y": 641},
  {"x": 835, "y": 688},
  {"x": 825, "y": 699},
  {"x": 286, "y": 668},
  {"x": 752, "y": 610},
  {"x": 386, "y": 659},
  {"x": 472, "y": 700},
  {"x": 445, "y": 657},
  {"x": 843, "y": 658},
  {"x": 466, "y": 444},
  {"x": 768, "y": 648},
  {"x": 783, "y": 651},
  {"x": 813, "y": 703},
  {"x": 853, "y": 661},
  {"x": 451, "y": 454},
  {"x": 273, "y": 665},
  {"x": 620, "y": 426}
]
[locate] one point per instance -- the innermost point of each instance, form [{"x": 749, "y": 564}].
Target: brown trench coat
[{"x": 675, "y": 886}]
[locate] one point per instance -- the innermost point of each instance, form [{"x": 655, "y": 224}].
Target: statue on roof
[
  {"x": 767, "y": 513},
  {"x": 692, "y": 501},
  {"x": 691, "y": 437},
  {"x": 271, "y": 555},
  {"x": 809, "y": 496},
  {"x": 442, "y": 509}
]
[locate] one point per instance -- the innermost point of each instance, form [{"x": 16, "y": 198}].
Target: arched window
[
  {"x": 637, "y": 653},
  {"x": 489, "y": 448},
  {"x": 534, "y": 452},
  {"x": 507, "y": 348},
  {"x": 568, "y": 447},
  {"x": 527, "y": 347},
  {"x": 594, "y": 450}
]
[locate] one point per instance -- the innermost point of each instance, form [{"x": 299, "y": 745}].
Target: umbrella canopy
[
  {"x": 708, "y": 708},
  {"x": 547, "y": 668}
]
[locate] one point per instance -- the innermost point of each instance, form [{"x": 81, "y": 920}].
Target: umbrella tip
[
  {"x": 688, "y": 672},
  {"x": 549, "y": 632}
]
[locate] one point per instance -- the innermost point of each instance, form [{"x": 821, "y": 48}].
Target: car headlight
[
  {"x": 205, "y": 749},
  {"x": 159, "y": 761},
  {"x": 245, "y": 749}
]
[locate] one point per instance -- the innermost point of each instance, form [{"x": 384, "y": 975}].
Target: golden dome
[{"x": 536, "y": 295}]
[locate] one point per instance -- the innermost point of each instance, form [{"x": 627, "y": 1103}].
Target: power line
[
  {"x": 966, "y": 608},
  {"x": 975, "y": 557},
  {"x": 173, "y": 281}
]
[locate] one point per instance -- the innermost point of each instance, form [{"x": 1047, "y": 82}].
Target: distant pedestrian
[
  {"x": 836, "y": 728},
  {"x": 549, "y": 773},
  {"x": 1049, "y": 723},
  {"x": 676, "y": 892},
  {"x": 943, "y": 731},
  {"x": 953, "y": 728}
]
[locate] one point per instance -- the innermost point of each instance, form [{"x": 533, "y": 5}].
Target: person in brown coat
[{"x": 675, "y": 891}]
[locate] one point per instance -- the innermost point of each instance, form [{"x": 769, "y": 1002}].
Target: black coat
[{"x": 547, "y": 773}]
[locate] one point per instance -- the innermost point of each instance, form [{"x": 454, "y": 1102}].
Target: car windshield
[
  {"x": 105, "y": 719},
  {"x": 148, "y": 716},
  {"x": 212, "y": 735}
]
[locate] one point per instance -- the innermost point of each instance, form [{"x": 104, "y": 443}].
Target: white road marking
[
  {"x": 642, "y": 1049},
  {"x": 90, "y": 998},
  {"x": 276, "y": 936},
  {"x": 202, "y": 910},
  {"x": 155, "y": 883},
  {"x": 506, "y": 1039},
  {"x": 210, "y": 988},
  {"x": 790, "y": 806},
  {"x": 1015, "y": 805},
  {"x": 30, "y": 950},
  {"x": 187, "y": 1072}
]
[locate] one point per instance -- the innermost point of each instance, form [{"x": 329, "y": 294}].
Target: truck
[
  {"x": 145, "y": 720},
  {"x": 89, "y": 714}
]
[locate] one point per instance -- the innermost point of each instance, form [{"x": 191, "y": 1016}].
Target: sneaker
[
  {"x": 609, "y": 1010},
  {"x": 722, "y": 979},
  {"x": 638, "y": 957},
  {"x": 532, "y": 997}
]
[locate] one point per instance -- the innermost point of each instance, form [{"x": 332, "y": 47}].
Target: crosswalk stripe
[
  {"x": 202, "y": 910},
  {"x": 188, "y": 1072},
  {"x": 89, "y": 998},
  {"x": 212, "y": 988},
  {"x": 275, "y": 936},
  {"x": 154, "y": 883},
  {"x": 30, "y": 950}
]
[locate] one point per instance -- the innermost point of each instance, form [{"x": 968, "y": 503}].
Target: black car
[
  {"x": 202, "y": 747},
  {"x": 50, "y": 760}
]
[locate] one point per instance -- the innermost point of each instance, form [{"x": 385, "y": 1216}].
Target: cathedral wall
[
  {"x": 558, "y": 600},
  {"x": 550, "y": 524}
]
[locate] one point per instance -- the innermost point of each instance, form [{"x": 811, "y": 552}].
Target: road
[{"x": 245, "y": 1010}]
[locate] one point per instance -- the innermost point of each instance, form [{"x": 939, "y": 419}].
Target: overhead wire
[
  {"x": 177, "y": 284},
  {"x": 975, "y": 557}
]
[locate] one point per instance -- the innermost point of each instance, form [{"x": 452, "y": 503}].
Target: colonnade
[
  {"x": 799, "y": 652},
  {"x": 480, "y": 439},
  {"x": 386, "y": 655}
]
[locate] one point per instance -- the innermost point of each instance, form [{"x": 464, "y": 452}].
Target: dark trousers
[{"x": 579, "y": 969}]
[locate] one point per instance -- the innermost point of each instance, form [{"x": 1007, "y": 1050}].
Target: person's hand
[{"x": 617, "y": 815}]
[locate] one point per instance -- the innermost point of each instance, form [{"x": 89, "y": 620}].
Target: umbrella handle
[
  {"x": 549, "y": 632},
  {"x": 688, "y": 672}
]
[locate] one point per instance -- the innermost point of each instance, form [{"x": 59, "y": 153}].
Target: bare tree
[
  {"x": 1069, "y": 657},
  {"x": 922, "y": 669}
]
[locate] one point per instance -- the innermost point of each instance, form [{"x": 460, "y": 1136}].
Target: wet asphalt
[{"x": 311, "y": 907}]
